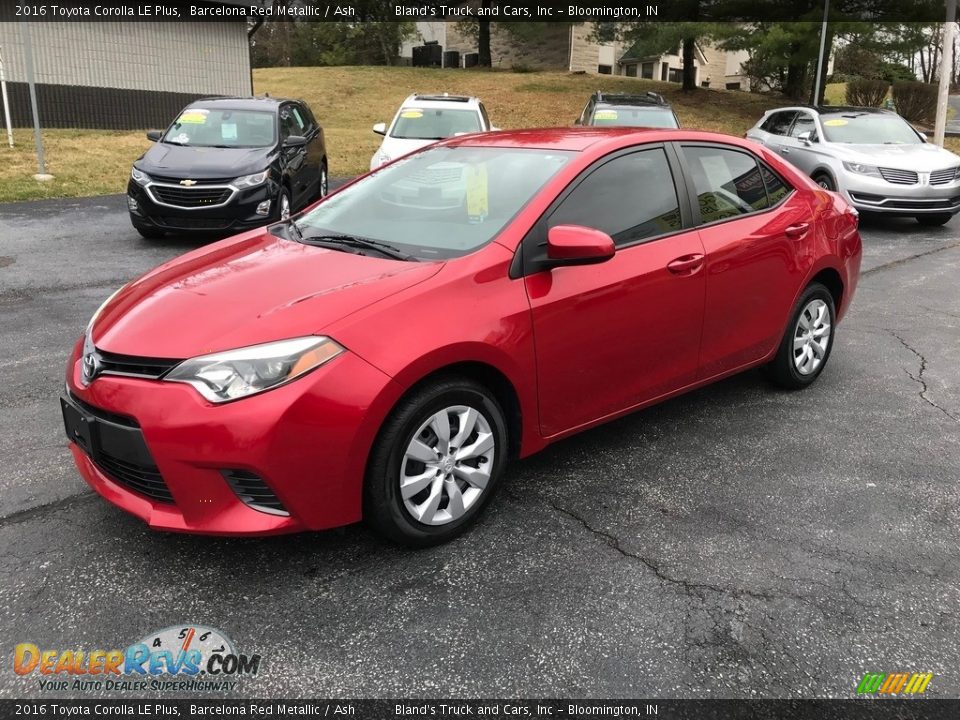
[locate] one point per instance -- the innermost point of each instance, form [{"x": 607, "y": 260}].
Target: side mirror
[
  {"x": 154, "y": 135},
  {"x": 380, "y": 128},
  {"x": 806, "y": 137},
  {"x": 295, "y": 141},
  {"x": 576, "y": 245}
]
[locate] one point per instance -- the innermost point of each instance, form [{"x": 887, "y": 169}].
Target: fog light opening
[
  {"x": 132, "y": 205},
  {"x": 263, "y": 208}
]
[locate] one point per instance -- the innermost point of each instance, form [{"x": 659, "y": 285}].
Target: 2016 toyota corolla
[{"x": 384, "y": 361}]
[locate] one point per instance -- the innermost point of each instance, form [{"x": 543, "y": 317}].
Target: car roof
[
  {"x": 831, "y": 109},
  {"x": 648, "y": 99},
  {"x": 264, "y": 102},
  {"x": 428, "y": 100},
  {"x": 581, "y": 138}
]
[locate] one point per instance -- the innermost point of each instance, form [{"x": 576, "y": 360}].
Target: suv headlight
[
  {"x": 861, "y": 169},
  {"x": 252, "y": 180},
  {"x": 238, "y": 373},
  {"x": 140, "y": 177}
]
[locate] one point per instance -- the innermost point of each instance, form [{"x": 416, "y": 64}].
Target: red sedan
[{"x": 383, "y": 355}]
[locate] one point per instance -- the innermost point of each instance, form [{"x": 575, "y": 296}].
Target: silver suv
[{"x": 874, "y": 158}]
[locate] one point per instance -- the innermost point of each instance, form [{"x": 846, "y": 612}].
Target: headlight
[
  {"x": 251, "y": 180},
  {"x": 862, "y": 169},
  {"x": 237, "y": 373},
  {"x": 140, "y": 177}
]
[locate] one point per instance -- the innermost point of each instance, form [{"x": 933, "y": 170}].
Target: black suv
[
  {"x": 227, "y": 165},
  {"x": 617, "y": 109}
]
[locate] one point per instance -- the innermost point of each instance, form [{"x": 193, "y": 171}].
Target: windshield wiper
[{"x": 353, "y": 241}]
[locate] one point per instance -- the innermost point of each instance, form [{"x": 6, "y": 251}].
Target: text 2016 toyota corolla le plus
[{"x": 384, "y": 359}]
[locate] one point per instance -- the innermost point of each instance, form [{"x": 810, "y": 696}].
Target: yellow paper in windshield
[
  {"x": 477, "y": 193},
  {"x": 605, "y": 115},
  {"x": 194, "y": 117},
  {"x": 837, "y": 122},
  {"x": 412, "y": 114}
]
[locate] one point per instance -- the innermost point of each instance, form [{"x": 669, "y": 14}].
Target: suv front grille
[
  {"x": 253, "y": 491},
  {"x": 195, "y": 197},
  {"x": 195, "y": 181},
  {"x": 942, "y": 177},
  {"x": 899, "y": 177}
]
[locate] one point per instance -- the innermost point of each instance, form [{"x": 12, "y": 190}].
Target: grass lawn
[{"x": 348, "y": 100}]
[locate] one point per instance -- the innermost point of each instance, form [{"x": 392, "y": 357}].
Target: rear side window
[
  {"x": 779, "y": 123},
  {"x": 631, "y": 198},
  {"x": 728, "y": 183}
]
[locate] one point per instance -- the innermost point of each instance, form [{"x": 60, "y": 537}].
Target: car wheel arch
[
  {"x": 492, "y": 378},
  {"x": 826, "y": 170},
  {"x": 825, "y": 273}
]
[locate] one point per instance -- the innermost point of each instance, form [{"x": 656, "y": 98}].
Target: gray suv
[{"x": 873, "y": 157}]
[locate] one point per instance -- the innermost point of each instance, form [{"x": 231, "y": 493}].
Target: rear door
[
  {"x": 613, "y": 335},
  {"x": 756, "y": 230},
  {"x": 299, "y": 171}
]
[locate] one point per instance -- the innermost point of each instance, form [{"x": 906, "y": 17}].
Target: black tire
[
  {"x": 323, "y": 187},
  {"x": 384, "y": 509},
  {"x": 783, "y": 370},
  {"x": 825, "y": 181},
  {"x": 284, "y": 193},
  {"x": 148, "y": 232},
  {"x": 934, "y": 219}
]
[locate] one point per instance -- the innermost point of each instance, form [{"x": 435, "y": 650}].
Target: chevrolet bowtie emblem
[{"x": 188, "y": 183}]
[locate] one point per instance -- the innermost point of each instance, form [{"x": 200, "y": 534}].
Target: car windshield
[
  {"x": 629, "y": 116},
  {"x": 209, "y": 127},
  {"x": 434, "y": 123},
  {"x": 868, "y": 129},
  {"x": 441, "y": 203}
]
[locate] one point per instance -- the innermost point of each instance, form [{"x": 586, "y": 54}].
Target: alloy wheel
[{"x": 447, "y": 465}]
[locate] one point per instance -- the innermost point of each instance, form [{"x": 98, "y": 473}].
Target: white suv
[{"x": 424, "y": 119}]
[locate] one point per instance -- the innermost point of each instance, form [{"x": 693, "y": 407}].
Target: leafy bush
[
  {"x": 916, "y": 101},
  {"x": 864, "y": 92}
]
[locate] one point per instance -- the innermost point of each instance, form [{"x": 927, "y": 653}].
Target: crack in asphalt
[
  {"x": 29, "y": 513},
  {"x": 918, "y": 378},
  {"x": 690, "y": 588},
  {"x": 901, "y": 261}
]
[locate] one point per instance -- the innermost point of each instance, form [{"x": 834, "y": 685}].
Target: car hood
[
  {"x": 922, "y": 158},
  {"x": 250, "y": 289},
  {"x": 203, "y": 162},
  {"x": 396, "y": 147}
]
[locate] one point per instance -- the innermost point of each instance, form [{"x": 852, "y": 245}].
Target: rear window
[
  {"x": 630, "y": 116},
  {"x": 434, "y": 124}
]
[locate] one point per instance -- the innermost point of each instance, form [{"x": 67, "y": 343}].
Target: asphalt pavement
[{"x": 739, "y": 541}]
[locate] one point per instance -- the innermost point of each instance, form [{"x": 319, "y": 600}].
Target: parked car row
[{"x": 226, "y": 165}]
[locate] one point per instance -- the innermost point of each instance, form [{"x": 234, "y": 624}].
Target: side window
[
  {"x": 631, "y": 197},
  {"x": 779, "y": 122},
  {"x": 303, "y": 117},
  {"x": 804, "y": 123},
  {"x": 290, "y": 122},
  {"x": 777, "y": 189},
  {"x": 728, "y": 182}
]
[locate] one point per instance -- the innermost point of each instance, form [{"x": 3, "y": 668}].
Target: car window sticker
[{"x": 478, "y": 201}]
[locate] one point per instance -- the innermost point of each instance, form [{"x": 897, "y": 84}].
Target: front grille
[
  {"x": 150, "y": 368},
  {"x": 187, "y": 223},
  {"x": 437, "y": 175},
  {"x": 895, "y": 204},
  {"x": 197, "y": 181},
  {"x": 194, "y": 197},
  {"x": 899, "y": 177},
  {"x": 253, "y": 491},
  {"x": 141, "y": 479},
  {"x": 942, "y": 177},
  {"x": 121, "y": 435}
]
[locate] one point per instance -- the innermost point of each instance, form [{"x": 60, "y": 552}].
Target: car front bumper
[
  {"x": 237, "y": 214},
  {"x": 872, "y": 194},
  {"x": 163, "y": 453}
]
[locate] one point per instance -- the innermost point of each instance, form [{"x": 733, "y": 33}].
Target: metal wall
[{"x": 123, "y": 75}]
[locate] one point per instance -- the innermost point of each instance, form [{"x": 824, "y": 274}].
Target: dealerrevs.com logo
[{"x": 175, "y": 659}]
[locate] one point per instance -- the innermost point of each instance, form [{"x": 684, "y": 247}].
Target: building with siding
[{"x": 121, "y": 75}]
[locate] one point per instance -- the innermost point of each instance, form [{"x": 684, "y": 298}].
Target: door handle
[
  {"x": 797, "y": 231},
  {"x": 784, "y": 150},
  {"x": 686, "y": 264}
]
